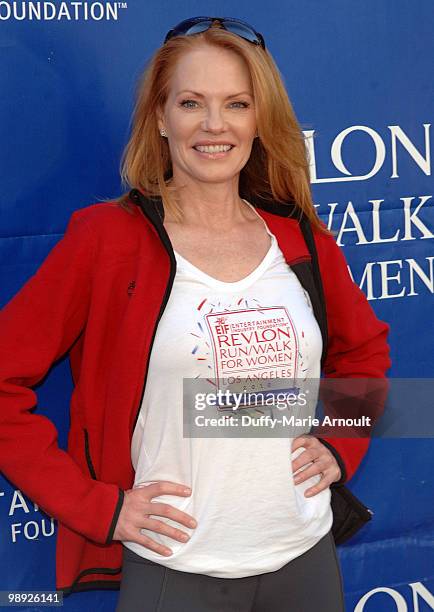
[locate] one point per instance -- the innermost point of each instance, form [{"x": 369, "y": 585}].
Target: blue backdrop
[{"x": 360, "y": 77}]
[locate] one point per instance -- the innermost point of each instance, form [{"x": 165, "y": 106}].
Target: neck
[{"x": 210, "y": 206}]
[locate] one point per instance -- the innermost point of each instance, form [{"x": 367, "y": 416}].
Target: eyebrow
[{"x": 199, "y": 95}]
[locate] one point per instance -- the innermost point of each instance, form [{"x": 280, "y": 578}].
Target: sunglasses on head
[{"x": 195, "y": 25}]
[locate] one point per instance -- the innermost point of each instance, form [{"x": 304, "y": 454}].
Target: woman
[{"x": 172, "y": 282}]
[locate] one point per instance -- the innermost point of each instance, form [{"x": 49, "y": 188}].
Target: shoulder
[
  {"x": 326, "y": 245},
  {"x": 115, "y": 232},
  {"x": 109, "y": 218},
  {"x": 108, "y": 214},
  {"x": 332, "y": 263}
]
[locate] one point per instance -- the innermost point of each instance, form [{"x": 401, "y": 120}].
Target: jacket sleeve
[
  {"x": 37, "y": 327},
  {"x": 357, "y": 346}
]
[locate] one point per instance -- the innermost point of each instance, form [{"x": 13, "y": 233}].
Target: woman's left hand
[{"x": 323, "y": 460}]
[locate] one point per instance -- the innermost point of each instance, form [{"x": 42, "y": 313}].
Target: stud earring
[{"x": 163, "y": 132}]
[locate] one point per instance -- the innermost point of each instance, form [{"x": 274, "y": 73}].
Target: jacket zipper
[
  {"x": 87, "y": 453},
  {"x": 160, "y": 314},
  {"x": 166, "y": 242}
]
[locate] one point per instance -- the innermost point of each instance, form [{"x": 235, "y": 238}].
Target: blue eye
[
  {"x": 245, "y": 104},
  {"x": 187, "y": 103}
]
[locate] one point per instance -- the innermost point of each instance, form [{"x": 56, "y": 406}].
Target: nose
[{"x": 214, "y": 120}]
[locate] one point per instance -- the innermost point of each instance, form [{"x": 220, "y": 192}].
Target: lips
[
  {"x": 214, "y": 153},
  {"x": 214, "y": 145},
  {"x": 210, "y": 143}
]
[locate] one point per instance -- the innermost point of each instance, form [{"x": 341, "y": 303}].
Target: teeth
[{"x": 213, "y": 148}]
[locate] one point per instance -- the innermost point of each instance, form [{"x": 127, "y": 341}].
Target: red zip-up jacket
[{"x": 99, "y": 295}]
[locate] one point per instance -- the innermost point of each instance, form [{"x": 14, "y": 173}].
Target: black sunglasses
[{"x": 195, "y": 25}]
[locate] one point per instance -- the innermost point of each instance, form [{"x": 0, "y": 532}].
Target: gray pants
[{"x": 309, "y": 583}]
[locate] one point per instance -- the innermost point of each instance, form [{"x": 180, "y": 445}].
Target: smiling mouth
[{"x": 213, "y": 151}]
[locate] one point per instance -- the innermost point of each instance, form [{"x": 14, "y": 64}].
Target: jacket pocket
[{"x": 87, "y": 453}]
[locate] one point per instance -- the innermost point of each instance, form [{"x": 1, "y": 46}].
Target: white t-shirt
[{"x": 251, "y": 517}]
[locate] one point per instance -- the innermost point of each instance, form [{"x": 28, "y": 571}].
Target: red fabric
[
  {"x": 357, "y": 346},
  {"x": 98, "y": 295}
]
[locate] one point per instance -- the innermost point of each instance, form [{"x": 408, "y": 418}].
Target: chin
[{"x": 219, "y": 174}]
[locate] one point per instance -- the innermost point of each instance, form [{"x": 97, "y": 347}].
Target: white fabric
[{"x": 251, "y": 517}]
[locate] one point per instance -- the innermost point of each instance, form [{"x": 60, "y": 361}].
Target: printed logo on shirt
[
  {"x": 247, "y": 345},
  {"x": 253, "y": 344}
]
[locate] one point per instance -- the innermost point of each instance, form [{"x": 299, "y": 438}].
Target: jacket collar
[
  {"x": 155, "y": 203},
  {"x": 280, "y": 218}
]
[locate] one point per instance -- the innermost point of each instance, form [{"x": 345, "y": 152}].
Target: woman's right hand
[{"x": 137, "y": 508}]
